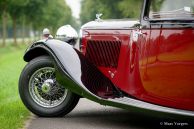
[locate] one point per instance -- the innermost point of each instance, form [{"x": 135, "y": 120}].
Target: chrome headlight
[{"x": 67, "y": 34}]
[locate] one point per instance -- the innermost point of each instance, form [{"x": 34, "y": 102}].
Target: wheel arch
[
  {"x": 41, "y": 49},
  {"x": 36, "y": 52}
]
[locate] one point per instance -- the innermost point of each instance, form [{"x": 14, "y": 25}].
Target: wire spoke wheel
[
  {"x": 41, "y": 93},
  {"x": 45, "y": 90}
]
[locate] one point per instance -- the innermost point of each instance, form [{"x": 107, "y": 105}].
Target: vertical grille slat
[
  {"x": 91, "y": 55},
  {"x": 115, "y": 47},
  {"x": 111, "y": 52},
  {"x": 103, "y": 52},
  {"x": 115, "y": 51},
  {"x": 99, "y": 51},
  {"x": 118, "y": 50},
  {"x": 105, "y": 55},
  {"x": 94, "y": 48}
]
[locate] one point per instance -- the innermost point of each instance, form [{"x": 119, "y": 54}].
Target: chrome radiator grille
[{"x": 103, "y": 53}]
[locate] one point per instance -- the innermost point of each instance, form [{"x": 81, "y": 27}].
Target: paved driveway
[{"x": 90, "y": 115}]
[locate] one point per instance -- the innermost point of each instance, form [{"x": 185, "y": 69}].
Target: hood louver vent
[{"x": 103, "y": 53}]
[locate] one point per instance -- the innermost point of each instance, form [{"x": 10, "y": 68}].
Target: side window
[{"x": 171, "y": 9}]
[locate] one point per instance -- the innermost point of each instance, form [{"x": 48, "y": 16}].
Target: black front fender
[
  {"x": 74, "y": 71},
  {"x": 53, "y": 48},
  {"x": 39, "y": 48}
]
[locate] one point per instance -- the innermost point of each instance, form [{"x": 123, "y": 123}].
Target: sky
[{"x": 75, "y": 7}]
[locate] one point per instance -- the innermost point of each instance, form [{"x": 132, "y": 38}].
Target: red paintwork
[
  {"x": 167, "y": 67},
  {"x": 159, "y": 68}
]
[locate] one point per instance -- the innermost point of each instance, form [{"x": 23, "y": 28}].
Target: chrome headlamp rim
[{"x": 67, "y": 34}]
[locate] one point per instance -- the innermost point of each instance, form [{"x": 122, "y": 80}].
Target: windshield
[{"x": 171, "y": 9}]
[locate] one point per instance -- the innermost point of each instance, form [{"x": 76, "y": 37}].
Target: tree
[
  {"x": 3, "y": 10},
  {"x": 111, "y": 9},
  {"x": 36, "y": 14},
  {"x": 88, "y": 10},
  {"x": 50, "y": 14},
  {"x": 16, "y": 10},
  {"x": 130, "y": 9},
  {"x": 57, "y": 13}
]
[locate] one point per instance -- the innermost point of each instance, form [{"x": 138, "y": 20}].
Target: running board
[{"x": 129, "y": 102}]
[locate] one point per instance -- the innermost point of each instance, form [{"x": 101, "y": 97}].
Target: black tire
[{"x": 67, "y": 105}]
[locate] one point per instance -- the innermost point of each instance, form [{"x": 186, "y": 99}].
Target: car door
[{"x": 167, "y": 55}]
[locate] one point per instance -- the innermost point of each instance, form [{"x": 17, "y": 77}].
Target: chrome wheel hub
[
  {"x": 46, "y": 86},
  {"x": 44, "y": 89}
]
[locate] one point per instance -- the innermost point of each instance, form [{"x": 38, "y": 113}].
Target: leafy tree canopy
[{"x": 111, "y": 9}]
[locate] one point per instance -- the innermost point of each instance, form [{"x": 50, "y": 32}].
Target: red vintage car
[{"x": 145, "y": 64}]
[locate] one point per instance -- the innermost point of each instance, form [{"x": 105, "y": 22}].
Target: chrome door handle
[{"x": 135, "y": 34}]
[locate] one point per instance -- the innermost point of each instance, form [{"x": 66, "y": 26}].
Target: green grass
[{"x": 12, "y": 112}]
